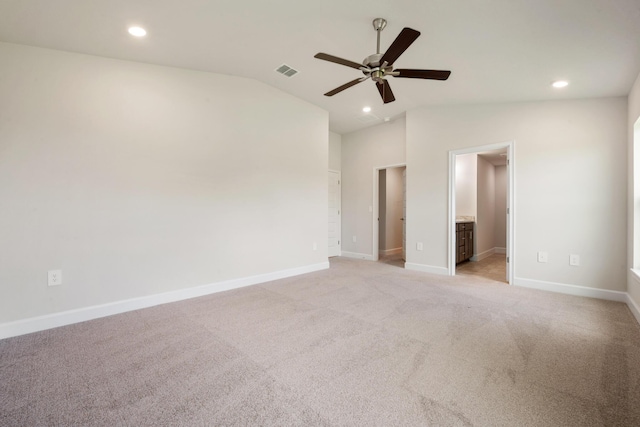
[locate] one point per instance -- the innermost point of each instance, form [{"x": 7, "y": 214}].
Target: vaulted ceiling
[{"x": 497, "y": 50}]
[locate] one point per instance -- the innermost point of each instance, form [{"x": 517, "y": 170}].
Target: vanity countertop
[{"x": 462, "y": 218}]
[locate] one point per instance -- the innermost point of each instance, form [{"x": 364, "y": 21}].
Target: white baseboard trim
[
  {"x": 357, "y": 255},
  {"x": 41, "y": 323},
  {"x": 633, "y": 306},
  {"x": 635, "y": 309},
  {"x": 488, "y": 253},
  {"x": 443, "y": 271},
  {"x": 390, "y": 251},
  {"x": 483, "y": 255},
  {"x": 563, "y": 288}
]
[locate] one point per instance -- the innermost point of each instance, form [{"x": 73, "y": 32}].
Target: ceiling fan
[{"x": 378, "y": 66}]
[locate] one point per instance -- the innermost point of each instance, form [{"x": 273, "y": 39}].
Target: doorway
[
  {"x": 481, "y": 214},
  {"x": 389, "y": 215}
]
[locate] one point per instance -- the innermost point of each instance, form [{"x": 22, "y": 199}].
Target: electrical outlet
[
  {"x": 419, "y": 246},
  {"x": 354, "y": 239},
  {"x": 54, "y": 277},
  {"x": 543, "y": 257},
  {"x": 370, "y": 208},
  {"x": 574, "y": 260},
  {"x": 315, "y": 246}
]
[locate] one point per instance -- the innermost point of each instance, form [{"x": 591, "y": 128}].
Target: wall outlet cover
[
  {"x": 54, "y": 277},
  {"x": 543, "y": 256}
]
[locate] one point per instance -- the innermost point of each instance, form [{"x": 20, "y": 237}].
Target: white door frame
[
  {"x": 339, "y": 210},
  {"x": 510, "y": 146},
  {"x": 376, "y": 208}
]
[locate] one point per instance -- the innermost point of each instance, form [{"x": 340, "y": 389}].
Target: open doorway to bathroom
[{"x": 480, "y": 223}]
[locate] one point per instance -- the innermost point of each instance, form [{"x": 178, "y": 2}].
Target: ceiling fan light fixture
[
  {"x": 560, "y": 84},
  {"x": 137, "y": 31}
]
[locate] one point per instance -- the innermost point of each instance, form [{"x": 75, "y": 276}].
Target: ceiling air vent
[
  {"x": 286, "y": 70},
  {"x": 368, "y": 118}
]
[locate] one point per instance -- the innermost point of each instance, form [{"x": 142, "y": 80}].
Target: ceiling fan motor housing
[
  {"x": 377, "y": 73},
  {"x": 372, "y": 60}
]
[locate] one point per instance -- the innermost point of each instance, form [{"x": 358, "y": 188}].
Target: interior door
[
  {"x": 404, "y": 214},
  {"x": 509, "y": 183},
  {"x": 334, "y": 214}
]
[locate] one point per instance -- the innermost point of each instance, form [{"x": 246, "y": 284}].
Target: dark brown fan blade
[
  {"x": 337, "y": 60},
  {"x": 344, "y": 86},
  {"x": 399, "y": 45},
  {"x": 385, "y": 92},
  {"x": 422, "y": 74}
]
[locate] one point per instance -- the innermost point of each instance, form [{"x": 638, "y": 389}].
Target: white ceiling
[{"x": 497, "y": 50}]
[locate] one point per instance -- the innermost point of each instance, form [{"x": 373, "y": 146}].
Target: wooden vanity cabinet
[{"x": 464, "y": 241}]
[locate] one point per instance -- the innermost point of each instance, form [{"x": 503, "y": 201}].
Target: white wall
[
  {"x": 136, "y": 179},
  {"x": 485, "y": 221},
  {"x": 500, "y": 225},
  {"x": 362, "y": 152},
  {"x": 633, "y": 256},
  {"x": 467, "y": 185},
  {"x": 335, "y": 151},
  {"x": 570, "y": 184}
]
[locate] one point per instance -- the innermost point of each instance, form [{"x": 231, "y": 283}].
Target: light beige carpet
[{"x": 361, "y": 344}]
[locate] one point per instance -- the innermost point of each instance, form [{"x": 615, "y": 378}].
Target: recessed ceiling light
[
  {"x": 137, "y": 31},
  {"x": 560, "y": 83},
  {"x": 366, "y": 109}
]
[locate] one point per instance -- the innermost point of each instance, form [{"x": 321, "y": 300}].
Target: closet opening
[{"x": 389, "y": 215}]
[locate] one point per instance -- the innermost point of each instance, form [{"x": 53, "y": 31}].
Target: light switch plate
[{"x": 574, "y": 260}]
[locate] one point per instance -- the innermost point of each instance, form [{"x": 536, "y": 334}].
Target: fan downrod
[{"x": 379, "y": 24}]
